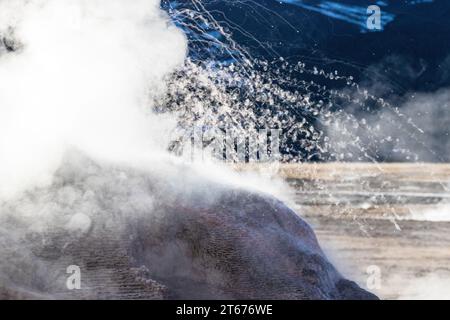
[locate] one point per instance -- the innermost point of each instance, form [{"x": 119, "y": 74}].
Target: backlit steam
[{"x": 81, "y": 74}]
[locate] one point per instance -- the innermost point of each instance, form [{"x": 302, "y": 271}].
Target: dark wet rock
[
  {"x": 151, "y": 236},
  {"x": 243, "y": 246}
]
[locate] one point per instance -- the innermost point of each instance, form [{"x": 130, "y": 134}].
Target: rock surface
[{"x": 143, "y": 237}]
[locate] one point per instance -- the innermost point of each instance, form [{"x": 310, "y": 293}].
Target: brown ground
[{"x": 373, "y": 215}]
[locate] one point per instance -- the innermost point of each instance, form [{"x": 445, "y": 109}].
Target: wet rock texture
[
  {"x": 234, "y": 244},
  {"x": 244, "y": 246}
]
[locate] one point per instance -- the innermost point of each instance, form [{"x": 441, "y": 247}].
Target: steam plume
[{"x": 82, "y": 74}]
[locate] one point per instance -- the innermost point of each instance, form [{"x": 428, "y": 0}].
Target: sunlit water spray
[
  {"x": 322, "y": 115},
  {"x": 223, "y": 85},
  {"x": 94, "y": 75},
  {"x": 117, "y": 84}
]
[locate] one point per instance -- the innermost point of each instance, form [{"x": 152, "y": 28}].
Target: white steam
[{"x": 83, "y": 75}]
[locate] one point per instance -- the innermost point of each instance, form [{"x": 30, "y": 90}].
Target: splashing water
[
  {"x": 322, "y": 115},
  {"x": 222, "y": 86},
  {"x": 120, "y": 82},
  {"x": 219, "y": 86}
]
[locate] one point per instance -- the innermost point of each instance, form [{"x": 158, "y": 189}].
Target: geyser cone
[{"x": 134, "y": 235}]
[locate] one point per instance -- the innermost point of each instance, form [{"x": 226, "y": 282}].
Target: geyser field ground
[{"x": 395, "y": 217}]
